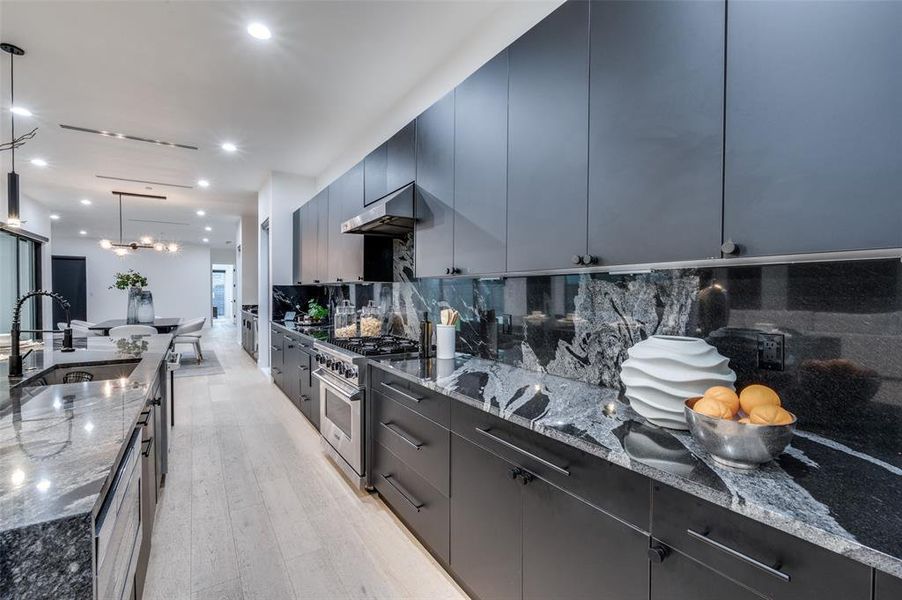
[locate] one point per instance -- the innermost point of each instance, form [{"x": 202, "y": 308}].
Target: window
[{"x": 20, "y": 272}]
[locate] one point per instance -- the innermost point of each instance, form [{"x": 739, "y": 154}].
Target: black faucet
[{"x": 15, "y": 358}]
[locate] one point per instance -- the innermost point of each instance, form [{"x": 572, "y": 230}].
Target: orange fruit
[
  {"x": 725, "y": 395},
  {"x": 768, "y": 414},
  {"x": 712, "y": 408},
  {"x": 756, "y": 395}
]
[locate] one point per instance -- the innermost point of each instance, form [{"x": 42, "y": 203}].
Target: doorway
[
  {"x": 70, "y": 281},
  {"x": 223, "y": 292}
]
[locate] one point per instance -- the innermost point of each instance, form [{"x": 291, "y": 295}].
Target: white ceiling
[{"x": 187, "y": 72}]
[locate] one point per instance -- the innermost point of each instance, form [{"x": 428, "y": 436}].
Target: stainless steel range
[{"x": 341, "y": 375}]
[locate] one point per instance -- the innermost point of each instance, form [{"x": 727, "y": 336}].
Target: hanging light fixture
[
  {"x": 123, "y": 248},
  {"x": 13, "y": 218}
]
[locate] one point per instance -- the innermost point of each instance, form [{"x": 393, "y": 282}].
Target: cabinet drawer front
[
  {"x": 417, "y": 398},
  {"x": 774, "y": 563},
  {"x": 423, "y": 508},
  {"x": 613, "y": 489},
  {"x": 420, "y": 443}
]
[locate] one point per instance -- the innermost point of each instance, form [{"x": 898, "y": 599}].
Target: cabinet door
[
  {"x": 480, "y": 169},
  {"x": 813, "y": 152},
  {"x": 887, "y": 587},
  {"x": 572, "y": 550},
  {"x": 486, "y": 522},
  {"x": 275, "y": 356},
  {"x": 292, "y": 375},
  {"x": 321, "y": 272},
  {"x": 297, "y": 246},
  {"x": 656, "y": 131},
  {"x": 548, "y": 141},
  {"x": 681, "y": 578},
  {"x": 401, "y": 158},
  {"x": 375, "y": 169},
  {"x": 434, "y": 208},
  {"x": 345, "y": 250},
  {"x": 310, "y": 240}
]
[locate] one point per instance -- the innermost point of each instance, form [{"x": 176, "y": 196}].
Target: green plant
[
  {"x": 316, "y": 311},
  {"x": 129, "y": 279}
]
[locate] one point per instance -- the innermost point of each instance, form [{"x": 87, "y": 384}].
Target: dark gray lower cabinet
[
  {"x": 309, "y": 391},
  {"x": 656, "y": 131},
  {"x": 276, "y": 356},
  {"x": 291, "y": 380},
  {"x": 813, "y": 130},
  {"x": 887, "y": 587},
  {"x": 486, "y": 522},
  {"x": 678, "y": 577},
  {"x": 572, "y": 550}
]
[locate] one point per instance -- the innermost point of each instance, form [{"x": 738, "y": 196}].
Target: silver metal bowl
[{"x": 734, "y": 444}]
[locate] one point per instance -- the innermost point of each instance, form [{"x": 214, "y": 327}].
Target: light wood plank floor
[{"x": 253, "y": 509}]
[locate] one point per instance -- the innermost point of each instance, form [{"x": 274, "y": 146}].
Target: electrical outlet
[{"x": 770, "y": 351}]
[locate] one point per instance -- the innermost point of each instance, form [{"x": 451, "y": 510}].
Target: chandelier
[{"x": 123, "y": 248}]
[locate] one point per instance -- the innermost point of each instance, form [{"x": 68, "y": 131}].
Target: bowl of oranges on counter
[{"x": 740, "y": 430}]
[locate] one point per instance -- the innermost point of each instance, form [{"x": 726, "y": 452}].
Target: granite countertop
[
  {"x": 59, "y": 443},
  {"x": 818, "y": 490}
]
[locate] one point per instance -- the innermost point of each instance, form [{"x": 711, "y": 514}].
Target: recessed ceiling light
[
  {"x": 20, "y": 110},
  {"x": 229, "y": 147},
  {"x": 39, "y": 162},
  {"x": 203, "y": 183},
  {"x": 206, "y": 240},
  {"x": 82, "y": 232},
  {"x": 208, "y": 228},
  {"x": 85, "y": 201},
  {"x": 259, "y": 31},
  {"x": 201, "y": 213},
  {"x": 55, "y": 217}
]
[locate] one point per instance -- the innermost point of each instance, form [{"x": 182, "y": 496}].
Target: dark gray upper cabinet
[
  {"x": 813, "y": 132},
  {"x": 548, "y": 141},
  {"x": 572, "y": 550},
  {"x": 656, "y": 131},
  {"x": 486, "y": 527},
  {"x": 321, "y": 200},
  {"x": 434, "y": 197},
  {"x": 480, "y": 170},
  {"x": 392, "y": 165},
  {"x": 297, "y": 239},
  {"x": 309, "y": 240},
  {"x": 345, "y": 250}
]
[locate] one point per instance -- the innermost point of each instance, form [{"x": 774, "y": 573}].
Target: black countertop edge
[{"x": 787, "y": 523}]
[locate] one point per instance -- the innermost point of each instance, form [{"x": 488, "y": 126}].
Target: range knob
[
  {"x": 340, "y": 367},
  {"x": 320, "y": 359},
  {"x": 350, "y": 373},
  {"x": 329, "y": 363}
]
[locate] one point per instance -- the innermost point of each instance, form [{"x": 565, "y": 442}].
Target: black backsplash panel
[
  {"x": 287, "y": 298},
  {"x": 841, "y": 322}
]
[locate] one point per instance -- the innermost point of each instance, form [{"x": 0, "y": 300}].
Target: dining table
[{"x": 162, "y": 325}]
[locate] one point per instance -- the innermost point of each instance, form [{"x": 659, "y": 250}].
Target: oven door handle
[{"x": 344, "y": 393}]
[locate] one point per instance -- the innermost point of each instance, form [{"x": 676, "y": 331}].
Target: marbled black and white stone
[{"x": 818, "y": 490}]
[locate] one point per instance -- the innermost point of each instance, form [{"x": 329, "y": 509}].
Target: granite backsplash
[{"x": 841, "y": 324}]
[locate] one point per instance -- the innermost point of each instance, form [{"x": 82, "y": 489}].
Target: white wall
[
  {"x": 181, "y": 284},
  {"x": 277, "y": 199},
  {"x": 222, "y": 256},
  {"x": 512, "y": 20}
]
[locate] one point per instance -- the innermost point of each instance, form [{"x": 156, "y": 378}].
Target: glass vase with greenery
[{"x": 129, "y": 279}]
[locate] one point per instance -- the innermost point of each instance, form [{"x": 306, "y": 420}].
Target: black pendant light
[{"x": 12, "y": 178}]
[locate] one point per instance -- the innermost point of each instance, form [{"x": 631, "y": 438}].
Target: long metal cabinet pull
[
  {"x": 410, "y": 499},
  {"x": 401, "y": 434},
  {"x": 399, "y": 392},
  {"x": 516, "y": 448},
  {"x": 703, "y": 537}
]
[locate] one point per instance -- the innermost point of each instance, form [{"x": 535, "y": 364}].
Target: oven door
[{"x": 340, "y": 422}]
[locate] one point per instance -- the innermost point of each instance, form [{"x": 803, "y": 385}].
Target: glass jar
[
  {"x": 370, "y": 320},
  {"x": 345, "y": 320}
]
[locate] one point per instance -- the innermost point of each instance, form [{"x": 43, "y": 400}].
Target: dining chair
[
  {"x": 129, "y": 330},
  {"x": 189, "y": 332}
]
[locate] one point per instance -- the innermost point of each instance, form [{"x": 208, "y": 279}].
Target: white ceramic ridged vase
[{"x": 664, "y": 370}]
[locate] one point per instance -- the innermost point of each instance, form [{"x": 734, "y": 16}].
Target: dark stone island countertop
[
  {"x": 58, "y": 446},
  {"x": 818, "y": 490}
]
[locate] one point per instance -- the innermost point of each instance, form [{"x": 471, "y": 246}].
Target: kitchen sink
[{"x": 99, "y": 371}]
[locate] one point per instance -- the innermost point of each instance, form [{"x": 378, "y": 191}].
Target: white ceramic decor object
[{"x": 664, "y": 370}]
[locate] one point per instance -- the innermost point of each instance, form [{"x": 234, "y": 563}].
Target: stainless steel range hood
[{"x": 392, "y": 216}]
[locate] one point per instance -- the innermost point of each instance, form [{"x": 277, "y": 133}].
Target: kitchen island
[
  {"x": 61, "y": 449},
  {"x": 831, "y": 496}
]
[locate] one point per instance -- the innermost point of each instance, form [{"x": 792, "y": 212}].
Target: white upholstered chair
[
  {"x": 189, "y": 332},
  {"x": 129, "y": 330}
]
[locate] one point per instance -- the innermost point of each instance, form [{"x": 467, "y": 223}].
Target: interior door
[{"x": 70, "y": 281}]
